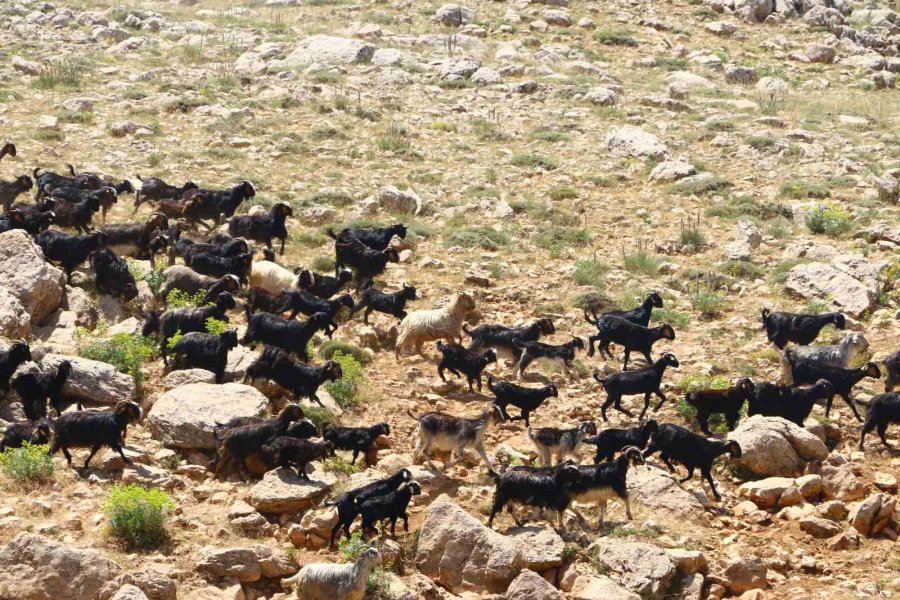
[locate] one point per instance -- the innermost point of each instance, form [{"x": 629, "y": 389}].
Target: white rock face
[
  {"x": 628, "y": 140},
  {"x": 15, "y": 322},
  {"x": 661, "y": 493},
  {"x": 326, "y": 50},
  {"x": 37, "y": 285},
  {"x": 185, "y": 416},
  {"x": 94, "y": 381},
  {"x": 282, "y": 491},
  {"x": 642, "y": 568},
  {"x": 672, "y": 170},
  {"x": 819, "y": 280},
  {"x": 453, "y": 15},
  {"x": 772, "y": 446}
]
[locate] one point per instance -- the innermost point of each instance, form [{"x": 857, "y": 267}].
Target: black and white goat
[
  {"x": 600, "y": 482},
  {"x": 610, "y": 441},
  {"x": 394, "y": 304},
  {"x": 560, "y": 443},
  {"x": 535, "y": 489},
  {"x": 802, "y": 329},
  {"x": 562, "y": 353},
  {"x": 355, "y": 439},
  {"x": 322, "y": 286},
  {"x": 446, "y": 433}
]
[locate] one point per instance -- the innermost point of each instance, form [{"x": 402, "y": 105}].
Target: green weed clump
[
  {"x": 29, "y": 464},
  {"x": 138, "y": 516},
  {"x": 345, "y": 390},
  {"x": 828, "y": 218},
  {"x": 127, "y": 352}
]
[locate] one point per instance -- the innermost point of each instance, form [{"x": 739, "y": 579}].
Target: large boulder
[
  {"x": 130, "y": 592},
  {"x": 531, "y": 586},
  {"x": 819, "y": 280},
  {"x": 453, "y": 15},
  {"x": 15, "y": 322},
  {"x": 459, "y": 553},
  {"x": 541, "y": 547},
  {"x": 156, "y": 586},
  {"x": 185, "y": 416},
  {"x": 772, "y": 446},
  {"x": 38, "y": 285},
  {"x": 873, "y": 514},
  {"x": 326, "y": 50},
  {"x": 659, "y": 492},
  {"x": 746, "y": 573},
  {"x": 631, "y": 141},
  {"x": 94, "y": 381},
  {"x": 34, "y": 567},
  {"x": 282, "y": 491},
  {"x": 754, "y": 10},
  {"x": 642, "y": 568},
  {"x": 600, "y": 587}
]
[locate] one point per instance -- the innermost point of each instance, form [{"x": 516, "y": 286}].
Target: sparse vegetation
[
  {"x": 28, "y": 464},
  {"x": 828, "y": 218},
  {"x": 590, "y": 272},
  {"x": 138, "y": 516},
  {"x": 345, "y": 390},
  {"x": 707, "y": 301},
  {"x": 642, "y": 261},
  {"x": 127, "y": 352}
]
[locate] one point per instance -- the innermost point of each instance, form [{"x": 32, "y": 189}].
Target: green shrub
[
  {"x": 563, "y": 193},
  {"x": 378, "y": 585},
  {"x": 590, "y": 272},
  {"x": 27, "y": 464},
  {"x": 155, "y": 280},
  {"x": 642, "y": 261},
  {"x": 329, "y": 347},
  {"x": 127, "y": 352},
  {"x": 340, "y": 466},
  {"x": 675, "y": 318},
  {"x": 614, "y": 38},
  {"x": 691, "y": 234},
  {"x": 829, "y": 218},
  {"x": 65, "y": 72},
  {"x": 137, "y": 515},
  {"x": 179, "y": 299},
  {"x": 761, "y": 142},
  {"x": 699, "y": 185},
  {"x": 345, "y": 390},
  {"x": 550, "y": 135},
  {"x": 486, "y": 238},
  {"x": 557, "y": 237},
  {"x": 318, "y": 415},
  {"x": 780, "y": 228},
  {"x": 802, "y": 189},
  {"x": 534, "y": 161},
  {"x": 748, "y": 206},
  {"x": 216, "y": 326},
  {"x": 707, "y": 301},
  {"x": 323, "y": 264},
  {"x": 741, "y": 268}
]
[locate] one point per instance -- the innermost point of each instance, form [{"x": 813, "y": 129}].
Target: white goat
[
  {"x": 327, "y": 581},
  {"x": 837, "y": 355},
  {"x": 445, "y": 323},
  {"x": 272, "y": 277}
]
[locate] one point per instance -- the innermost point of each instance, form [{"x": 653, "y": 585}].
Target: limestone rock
[
  {"x": 187, "y": 376},
  {"x": 531, "y": 586},
  {"x": 600, "y": 587},
  {"x": 745, "y": 574},
  {"x": 240, "y": 563},
  {"x": 672, "y": 170},
  {"x": 94, "y": 381},
  {"x": 35, "y": 567},
  {"x": 873, "y": 514},
  {"x": 628, "y": 140},
  {"x": 185, "y": 416},
  {"x": 819, "y": 280},
  {"x": 772, "y": 446},
  {"x": 394, "y": 200},
  {"x": 282, "y": 491},
  {"x": 130, "y": 592},
  {"x": 541, "y": 547},
  {"x": 37, "y": 285},
  {"x": 453, "y": 15},
  {"x": 819, "y": 527},
  {"x": 459, "y": 553},
  {"x": 637, "y": 566},
  {"x": 661, "y": 493},
  {"x": 15, "y": 322},
  {"x": 326, "y": 50}
]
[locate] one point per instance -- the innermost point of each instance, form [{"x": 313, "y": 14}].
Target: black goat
[
  {"x": 9, "y": 190},
  {"x": 17, "y": 353},
  {"x": 348, "y": 503},
  {"x": 47, "y": 181},
  {"x": 808, "y": 371},
  {"x": 553, "y": 441},
  {"x": 8, "y": 149},
  {"x": 94, "y": 430},
  {"x": 135, "y": 239},
  {"x": 186, "y": 320},
  {"x": 202, "y": 204},
  {"x": 238, "y": 443},
  {"x": 303, "y": 381},
  {"x": 460, "y": 361},
  {"x": 263, "y": 228},
  {"x": 393, "y": 304},
  {"x": 788, "y": 402},
  {"x": 892, "y": 366},
  {"x": 631, "y": 337},
  {"x": 219, "y": 266},
  {"x": 610, "y": 441},
  {"x": 355, "y": 439},
  {"x": 323, "y": 286},
  {"x": 18, "y": 434},
  {"x": 77, "y": 215},
  {"x": 299, "y": 301},
  {"x": 262, "y": 300},
  {"x": 691, "y": 450},
  {"x": 33, "y": 218},
  {"x": 12, "y": 219},
  {"x": 376, "y": 238},
  {"x": 112, "y": 276},
  {"x": 646, "y": 381},
  {"x": 204, "y": 351},
  {"x": 106, "y": 196},
  {"x": 292, "y": 336},
  {"x": 391, "y": 506},
  {"x": 525, "y": 399},
  {"x": 532, "y": 351},
  {"x": 503, "y": 339},
  {"x": 155, "y": 189},
  {"x": 368, "y": 263},
  {"x": 728, "y": 402},
  {"x": 884, "y": 409},
  {"x": 35, "y": 389},
  {"x": 538, "y": 490},
  {"x": 600, "y": 482},
  {"x": 802, "y": 329},
  {"x": 70, "y": 251},
  {"x": 289, "y": 452},
  {"x": 639, "y": 315}
]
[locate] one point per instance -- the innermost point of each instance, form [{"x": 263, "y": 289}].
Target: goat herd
[{"x": 222, "y": 266}]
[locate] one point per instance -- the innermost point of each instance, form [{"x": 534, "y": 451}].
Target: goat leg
[
  {"x": 708, "y": 475},
  {"x": 849, "y": 402}
]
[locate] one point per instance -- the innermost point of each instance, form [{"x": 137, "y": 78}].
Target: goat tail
[
  {"x": 72, "y": 170},
  {"x": 765, "y": 315},
  {"x": 491, "y": 382},
  {"x": 151, "y": 323},
  {"x": 36, "y": 172},
  {"x": 412, "y": 414},
  {"x": 330, "y": 233}
]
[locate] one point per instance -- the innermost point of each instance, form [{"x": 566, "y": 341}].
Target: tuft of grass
[
  {"x": 65, "y": 72},
  {"x": 345, "y": 390},
  {"x": 550, "y": 135},
  {"x": 699, "y": 185},
  {"x": 329, "y": 347},
  {"x": 138, "y": 516},
  {"x": 216, "y": 326},
  {"x": 28, "y": 464},
  {"x": 555, "y": 238},
  {"x": 340, "y": 466},
  {"x": 707, "y": 301},
  {"x": 828, "y": 218},
  {"x": 748, "y": 206},
  {"x": 761, "y": 142},
  {"x": 614, "y": 38},
  {"x": 590, "y": 272},
  {"x": 323, "y": 264},
  {"x": 179, "y": 299},
  {"x": 563, "y": 193},
  {"x": 691, "y": 234},
  {"x": 486, "y": 238},
  {"x": 642, "y": 261},
  {"x": 803, "y": 189},
  {"x": 534, "y": 161},
  {"x": 743, "y": 269}
]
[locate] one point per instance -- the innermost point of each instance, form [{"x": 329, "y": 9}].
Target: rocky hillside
[{"x": 547, "y": 157}]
